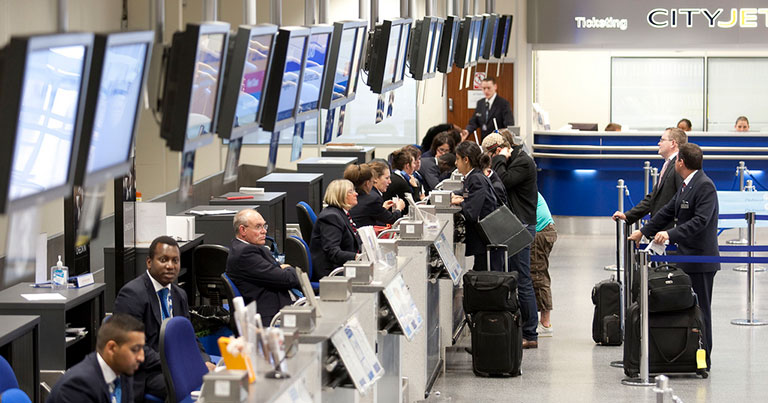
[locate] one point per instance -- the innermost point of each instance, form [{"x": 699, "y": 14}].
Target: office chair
[
  {"x": 307, "y": 218},
  {"x": 297, "y": 255},
  {"x": 14, "y": 395},
  {"x": 183, "y": 367},
  {"x": 231, "y": 292},
  {"x": 7, "y": 376},
  {"x": 210, "y": 262}
]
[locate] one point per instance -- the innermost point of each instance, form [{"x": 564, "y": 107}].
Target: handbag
[{"x": 502, "y": 227}]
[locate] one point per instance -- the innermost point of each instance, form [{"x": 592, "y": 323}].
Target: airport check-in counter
[
  {"x": 217, "y": 228},
  {"x": 271, "y": 205},
  {"x": 331, "y": 167},
  {"x": 306, "y": 187},
  {"x": 363, "y": 154}
]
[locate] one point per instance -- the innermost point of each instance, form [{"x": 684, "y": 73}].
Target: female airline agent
[
  {"x": 430, "y": 171},
  {"x": 402, "y": 166},
  {"x": 334, "y": 238},
  {"x": 478, "y": 201},
  {"x": 371, "y": 208}
]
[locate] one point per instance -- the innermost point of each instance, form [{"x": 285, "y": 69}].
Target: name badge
[
  {"x": 485, "y": 127},
  {"x": 684, "y": 204}
]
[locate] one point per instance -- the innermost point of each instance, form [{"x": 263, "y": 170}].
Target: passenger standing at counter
[
  {"x": 441, "y": 145},
  {"x": 742, "y": 124},
  {"x": 518, "y": 173},
  {"x": 254, "y": 270},
  {"x": 371, "y": 209},
  {"x": 487, "y": 109},
  {"x": 546, "y": 235},
  {"x": 685, "y": 125},
  {"x": 478, "y": 201},
  {"x": 669, "y": 180},
  {"x": 402, "y": 181},
  {"x": 694, "y": 211},
  {"x": 334, "y": 238}
]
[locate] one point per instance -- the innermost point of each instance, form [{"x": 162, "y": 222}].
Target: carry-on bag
[
  {"x": 491, "y": 290},
  {"x": 669, "y": 289},
  {"x": 497, "y": 338},
  {"x": 606, "y": 322}
]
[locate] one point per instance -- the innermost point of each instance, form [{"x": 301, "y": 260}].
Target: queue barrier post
[
  {"x": 643, "y": 378},
  {"x": 750, "y": 320},
  {"x": 741, "y": 240},
  {"x": 751, "y": 241},
  {"x": 622, "y": 190}
]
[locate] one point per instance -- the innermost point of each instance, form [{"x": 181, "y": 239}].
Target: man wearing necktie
[
  {"x": 669, "y": 180},
  {"x": 487, "y": 109},
  {"x": 693, "y": 211},
  {"x": 152, "y": 298},
  {"x": 105, "y": 376}
]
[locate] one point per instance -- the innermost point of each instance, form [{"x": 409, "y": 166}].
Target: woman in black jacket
[
  {"x": 478, "y": 201},
  {"x": 371, "y": 208},
  {"x": 402, "y": 180},
  {"x": 334, "y": 238},
  {"x": 430, "y": 170}
]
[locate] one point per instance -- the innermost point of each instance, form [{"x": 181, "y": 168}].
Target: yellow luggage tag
[
  {"x": 701, "y": 356},
  {"x": 235, "y": 356}
]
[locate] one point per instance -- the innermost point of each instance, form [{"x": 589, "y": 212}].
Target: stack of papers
[
  {"x": 44, "y": 296},
  {"x": 212, "y": 212}
]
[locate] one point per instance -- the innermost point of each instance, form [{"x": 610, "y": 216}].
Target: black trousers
[{"x": 702, "y": 285}]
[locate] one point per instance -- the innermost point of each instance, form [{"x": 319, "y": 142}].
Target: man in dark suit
[
  {"x": 105, "y": 376},
  {"x": 151, "y": 298},
  {"x": 489, "y": 108},
  {"x": 694, "y": 211},
  {"x": 254, "y": 270},
  {"x": 669, "y": 180}
]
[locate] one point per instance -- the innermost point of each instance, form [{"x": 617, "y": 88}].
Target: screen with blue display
[
  {"x": 291, "y": 73},
  {"x": 436, "y": 40},
  {"x": 345, "y": 63},
  {"x": 254, "y": 76},
  {"x": 477, "y": 30},
  {"x": 312, "y": 81},
  {"x": 49, "y": 103},
  {"x": 483, "y": 35},
  {"x": 405, "y": 35},
  {"x": 391, "y": 60},
  {"x": 119, "y": 93},
  {"x": 205, "y": 85}
]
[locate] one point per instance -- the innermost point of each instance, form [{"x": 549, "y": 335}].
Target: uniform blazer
[
  {"x": 664, "y": 190},
  {"x": 85, "y": 383},
  {"x": 430, "y": 172},
  {"x": 333, "y": 242},
  {"x": 369, "y": 210},
  {"x": 500, "y": 109},
  {"x": 259, "y": 277},
  {"x": 479, "y": 201},
  {"x": 694, "y": 211},
  {"x": 399, "y": 187},
  {"x": 518, "y": 174}
]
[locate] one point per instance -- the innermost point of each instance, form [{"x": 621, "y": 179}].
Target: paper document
[
  {"x": 48, "y": 296},
  {"x": 212, "y": 212},
  {"x": 656, "y": 248}
]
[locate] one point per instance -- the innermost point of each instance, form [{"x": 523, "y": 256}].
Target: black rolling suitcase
[
  {"x": 494, "y": 319},
  {"x": 673, "y": 342},
  {"x": 606, "y": 322}
]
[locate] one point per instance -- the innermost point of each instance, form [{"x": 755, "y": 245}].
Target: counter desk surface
[
  {"x": 429, "y": 237},
  {"x": 334, "y": 314},
  {"x": 266, "y": 390},
  {"x": 382, "y": 278}
]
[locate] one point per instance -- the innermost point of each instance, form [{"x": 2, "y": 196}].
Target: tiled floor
[{"x": 569, "y": 367}]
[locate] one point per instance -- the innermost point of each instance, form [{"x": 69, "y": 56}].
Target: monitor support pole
[
  {"x": 465, "y": 9},
  {"x": 430, "y": 8},
  {"x": 276, "y": 11},
  {"x": 374, "y": 14},
  {"x": 62, "y": 19},
  {"x": 249, "y": 12},
  {"x": 309, "y": 12},
  {"x": 159, "y": 20},
  {"x": 361, "y": 10},
  {"x": 211, "y": 10}
]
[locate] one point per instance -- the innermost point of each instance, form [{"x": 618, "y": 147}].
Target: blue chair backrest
[
  {"x": 183, "y": 367},
  {"x": 309, "y": 256},
  {"x": 233, "y": 287},
  {"x": 309, "y": 210},
  {"x": 7, "y": 376},
  {"x": 14, "y": 395}
]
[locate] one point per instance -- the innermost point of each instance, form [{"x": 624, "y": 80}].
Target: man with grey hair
[{"x": 254, "y": 270}]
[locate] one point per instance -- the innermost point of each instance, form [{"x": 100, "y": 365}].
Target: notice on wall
[
  {"x": 472, "y": 97},
  {"x": 477, "y": 82}
]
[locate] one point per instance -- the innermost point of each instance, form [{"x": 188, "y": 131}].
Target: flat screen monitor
[
  {"x": 434, "y": 53},
  {"x": 193, "y": 80},
  {"x": 476, "y": 36},
  {"x": 503, "y": 35},
  {"x": 250, "y": 54},
  {"x": 284, "y": 81},
  {"x": 464, "y": 46},
  {"x": 312, "y": 78},
  {"x": 44, "y": 79},
  {"x": 490, "y": 33},
  {"x": 343, "y": 67},
  {"x": 118, "y": 71},
  {"x": 423, "y": 50},
  {"x": 388, "y": 50},
  {"x": 584, "y": 127},
  {"x": 447, "y": 46}
]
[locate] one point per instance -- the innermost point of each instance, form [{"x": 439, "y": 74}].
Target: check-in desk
[
  {"x": 424, "y": 362},
  {"x": 82, "y": 307},
  {"x": 20, "y": 346},
  {"x": 331, "y": 168},
  {"x": 306, "y": 187},
  {"x": 363, "y": 154},
  {"x": 271, "y": 206},
  {"x": 216, "y": 227},
  {"x": 303, "y": 369},
  {"x": 451, "y": 295}
]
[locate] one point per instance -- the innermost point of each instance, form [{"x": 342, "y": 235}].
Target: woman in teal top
[{"x": 546, "y": 235}]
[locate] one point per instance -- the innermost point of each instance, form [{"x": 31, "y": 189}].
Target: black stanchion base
[
  {"x": 637, "y": 382},
  {"x": 617, "y": 364}
]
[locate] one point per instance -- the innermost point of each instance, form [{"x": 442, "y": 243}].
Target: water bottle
[{"x": 59, "y": 276}]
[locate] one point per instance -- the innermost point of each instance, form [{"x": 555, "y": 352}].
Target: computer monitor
[
  {"x": 584, "y": 127},
  {"x": 463, "y": 57},
  {"x": 250, "y": 54},
  {"x": 284, "y": 81},
  {"x": 388, "y": 50},
  {"x": 43, "y": 79},
  {"x": 421, "y": 58},
  {"x": 448, "y": 42},
  {"x": 193, "y": 80},
  {"x": 490, "y": 33},
  {"x": 437, "y": 38},
  {"x": 118, "y": 71},
  {"x": 343, "y": 69},
  {"x": 475, "y": 39},
  {"x": 503, "y": 35},
  {"x": 312, "y": 78}
]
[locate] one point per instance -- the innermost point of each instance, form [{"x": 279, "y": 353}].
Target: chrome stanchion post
[
  {"x": 654, "y": 177},
  {"x": 643, "y": 379},
  {"x": 749, "y": 187},
  {"x": 740, "y": 240},
  {"x": 625, "y": 285},
  {"x": 617, "y": 266},
  {"x": 647, "y": 176},
  {"x": 750, "y": 320}
]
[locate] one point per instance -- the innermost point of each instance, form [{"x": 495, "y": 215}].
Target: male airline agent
[
  {"x": 669, "y": 180},
  {"x": 489, "y": 108},
  {"x": 694, "y": 209},
  {"x": 105, "y": 376}
]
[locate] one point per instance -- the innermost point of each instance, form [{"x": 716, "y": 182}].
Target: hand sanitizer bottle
[{"x": 59, "y": 276}]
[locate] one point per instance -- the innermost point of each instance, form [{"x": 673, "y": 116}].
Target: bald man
[{"x": 254, "y": 270}]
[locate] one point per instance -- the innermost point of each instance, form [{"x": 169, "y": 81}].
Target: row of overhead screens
[{"x": 69, "y": 102}]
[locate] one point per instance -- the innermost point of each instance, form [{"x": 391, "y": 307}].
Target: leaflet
[
  {"x": 449, "y": 259},
  {"x": 358, "y": 356},
  {"x": 404, "y": 307}
]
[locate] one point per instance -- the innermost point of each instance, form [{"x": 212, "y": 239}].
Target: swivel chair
[
  {"x": 297, "y": 255},
  {"x": 210, "y": 262},
  {"x": 307, "y": 218},
  {"x": 183, "y": 367}
]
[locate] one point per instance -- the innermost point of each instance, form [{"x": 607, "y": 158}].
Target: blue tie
[
  {"x": 163, "y": 293},
  {"x": 117, "y": 392}
]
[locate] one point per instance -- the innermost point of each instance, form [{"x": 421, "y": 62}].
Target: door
[{"x": 459, "y": 111}]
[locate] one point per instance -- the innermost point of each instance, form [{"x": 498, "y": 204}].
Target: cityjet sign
[
  {"x": 716, "y": 18},
  {"x": 601, "y": 23}
]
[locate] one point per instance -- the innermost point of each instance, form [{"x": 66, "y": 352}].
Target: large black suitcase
[
  {"x": 674, "y": 339},
  {"x": 497, "y": 343},
  {"x": 606, "y": 322}
]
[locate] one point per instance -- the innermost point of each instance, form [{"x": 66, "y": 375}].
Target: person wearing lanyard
[
  {"x": 402, "y": 182},
  {"x": 371, "y": 209},
  {"x": 151, "y": 298},
  {"x": 105, "y": 376}
]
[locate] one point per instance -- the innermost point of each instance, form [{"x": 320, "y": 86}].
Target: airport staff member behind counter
[
  {"x": 371, "y": 209},
  {"x": 334, "y": 238},
  {"x": 489, "y": 108},
  {"x": 253, "y": 269}
]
